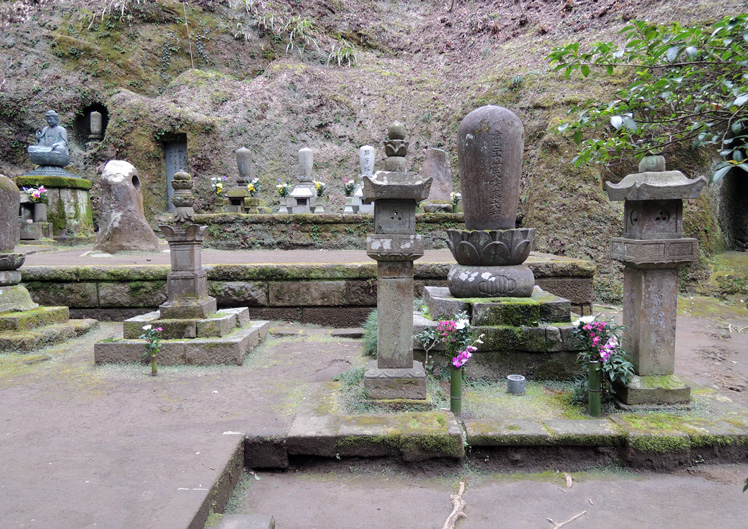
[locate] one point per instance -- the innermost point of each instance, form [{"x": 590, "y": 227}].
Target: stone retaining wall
[
  {"x": 234, "y": 231},
  {"x": 338, "y": 295}
]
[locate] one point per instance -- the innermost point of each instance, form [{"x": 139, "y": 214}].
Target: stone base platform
[
  {"x": 528, "y": 336},
  {"x": 225, "y": 338},
  {"x": 27, "y": 331},
  {"x": 644, "y": 390},
  {"x": 395, "y": 383}
]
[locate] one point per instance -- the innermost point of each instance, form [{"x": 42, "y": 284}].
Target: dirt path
[
  {"x": 85, "y": 446},
  {"x": 372, "y": 498}
]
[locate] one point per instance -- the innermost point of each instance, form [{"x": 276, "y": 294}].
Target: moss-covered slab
[
  {"x": 53, "y": 182},
  {"x": 594, "y": 432},
  {"x": 429, "y": 435},
  {"x": 313, "y": 435},
  {"x": 368, "y": 436},
  {"x": 31, "y": 340},
  {"x": 218, "y": 324},
  {"x": 133, "y": 327},
  {"x": 665, "y": 389},
  {"x": 507, "y": 433},
  {"x": 30, "y": 319}
]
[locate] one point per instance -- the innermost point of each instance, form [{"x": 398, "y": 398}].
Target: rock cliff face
[{"x": 273, "y": 77}]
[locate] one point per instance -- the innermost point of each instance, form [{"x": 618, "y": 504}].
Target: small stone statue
[{"x": 52, "y": 146}]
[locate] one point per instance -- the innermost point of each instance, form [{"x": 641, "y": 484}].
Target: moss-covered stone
[{"x": 53, "y": 182}]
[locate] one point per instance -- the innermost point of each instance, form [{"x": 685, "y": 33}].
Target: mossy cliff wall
[{"x": 233, "y": 83}]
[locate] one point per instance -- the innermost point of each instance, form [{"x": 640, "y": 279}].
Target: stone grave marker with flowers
[
  {"x": 366, "y": 159},
  {"x": 218, "y": 185},
  {"x": 351, "y": 204},
  {"x": 192, "y": 330},
  {"x": 490, "y": 283},
  {"x": 303, "y": 197},
  {"x": 33, "y": 223},
  {"x": 243, "y": 198}
]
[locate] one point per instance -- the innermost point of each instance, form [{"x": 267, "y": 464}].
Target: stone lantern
[
  {"x": 652, "y": 249},
  {"x": 395, "y": 245}
]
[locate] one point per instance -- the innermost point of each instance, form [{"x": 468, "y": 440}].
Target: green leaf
[
  {"x": 721, "y": 172},
  {"x": 585, "y": 70},
  {"x": 563, "y": 127},
  {"x": 746, "y": 481},
  {"x": 610, "y": 69},
  {"x": 578, "y": 137},
  {"x": 616, "y": 121}
]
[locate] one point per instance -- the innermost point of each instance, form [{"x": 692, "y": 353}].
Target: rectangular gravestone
[{"x": 175, "y": 156}]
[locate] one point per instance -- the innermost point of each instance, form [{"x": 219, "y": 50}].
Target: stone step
[
  {"x": 228, "y": 349},
  {"x": 30, "y": 319},
  {"x": 220, "y": 323},
  {"x": 30, "y": 340}
]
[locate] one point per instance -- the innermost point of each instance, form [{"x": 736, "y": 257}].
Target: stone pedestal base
[
  {"x": 490, "y": 281},
  {"x": 15, "y": 298},
  {"x": 30, "y": 330},
  {"x": 184, "y": 309},
  {"x": 225, "y": 339},
  {"x": 395, "y": 383},
  {"x": 668, "y": 389},
  {"x": 35, "y": 231}
]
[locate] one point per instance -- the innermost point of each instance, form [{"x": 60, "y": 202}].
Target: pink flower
[{"x": 160, "y": 329}]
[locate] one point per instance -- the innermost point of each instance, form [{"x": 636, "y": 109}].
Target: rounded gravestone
[
  {"x": 122, "y": 225},
  {"x": 243, "y": 162},
  {"x": 490, "y": 141},
  {"x": 10, "y": 200},
  {"x": 306, "y": 163}
]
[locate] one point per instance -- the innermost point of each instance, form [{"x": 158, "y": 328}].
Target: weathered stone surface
[
  {"x": 246, "y": 521},
  {"x": 9, "y": 278},
  {"x": 265, "y": 452},
  {"x": 654, "y": 253},
  {"x": 246, "y": 293},
  {"x": 654, "y": 390},
  {"x": 122, "y": 224},
  {"x": 508, "y": 433},
  {"x": 131, "y": 351},
  {"x": 655, "y": 185},
  {"x": 230, "y": 349},
  {"x": 313, "y": 436},
  {"x": 395, "y": 185},
  {"x": 491, "y": 247},
  {"x": 132, "y": 328},
  {"x": 334, "y": 317},
  {"x": 441, "y": 304},
  {"x": 10, "y": 199},
  {"x": 395, "y": 383},
  {"x": 490, "y": 142},
  {"x": 34, "y": 339},
  {"x": 219, "y": 324},
  {"x": 393, "y": 246},
  {"x": 30, "y": 319},
  {"x": 490, "y": 281},
  {"x": 15, "y": 298},
  {"x": 395, "y": 323},
  {"x": 595, "y": 432},
  {"x": 424, "y": 443},
  {"x": 241, "y": 313},
  {"x": 134, "y": 294},
  {"x": 197, "y": 309},
  {"x": 317, "y": 293},
  {"x": 650, "y": 305},
  {"x": 436, "y": 166}
]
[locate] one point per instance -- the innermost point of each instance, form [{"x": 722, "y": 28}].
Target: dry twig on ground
[{"x": 458, "y": 508}]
